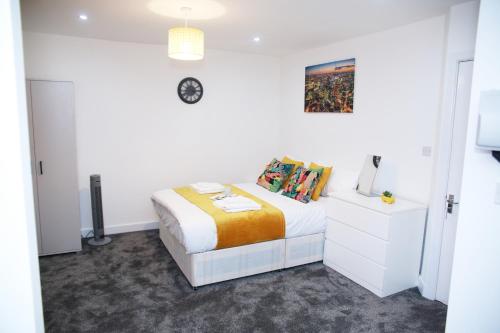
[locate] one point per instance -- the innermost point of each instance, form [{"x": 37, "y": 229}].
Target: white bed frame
[{"x": 226, "y": 264}]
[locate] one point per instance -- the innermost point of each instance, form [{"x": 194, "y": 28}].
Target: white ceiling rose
[{"x": 199, "y": 9}]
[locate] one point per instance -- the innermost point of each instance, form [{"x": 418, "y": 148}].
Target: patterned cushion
[
  {"x": 275, "y": 175},
  {"x": 302, "y": 184},
  {"x": 295, "y": 163}
]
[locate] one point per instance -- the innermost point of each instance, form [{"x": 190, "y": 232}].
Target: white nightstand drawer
[
  {"x": 366, "y": 220},
  {"x": 357, "y": 241},
  {"x": 353, "y": 263},
  {"x": 374, "y": 244}
]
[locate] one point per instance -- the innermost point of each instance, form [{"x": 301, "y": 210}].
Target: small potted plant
[{"x": 387, "y": 197}]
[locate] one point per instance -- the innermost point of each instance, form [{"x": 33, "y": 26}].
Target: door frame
[
  {"x": 18, "y": 251},
  {"x": 428, "y": 279}
]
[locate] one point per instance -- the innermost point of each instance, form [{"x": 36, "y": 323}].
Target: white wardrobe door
[{"x": 54, "y": 136}]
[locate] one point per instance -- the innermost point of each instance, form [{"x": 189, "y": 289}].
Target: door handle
[
  {"x": 41, "y": 167},
  {"x": 450, "y": 203}
]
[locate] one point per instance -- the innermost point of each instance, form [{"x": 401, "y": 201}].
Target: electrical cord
[{"x": 91, "y": 232}]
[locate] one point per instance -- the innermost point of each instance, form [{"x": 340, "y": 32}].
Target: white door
[
  {"x": 460, "y": 115},
  {"x": 54, "y": 141}
]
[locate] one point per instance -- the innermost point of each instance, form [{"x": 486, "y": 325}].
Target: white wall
[
  {"x": 396, "y": 105},
  {"x": 20, "y": 298},
  {"x": 134, "y": 130},
  {"x": 462, "y": 28},
  {"x": 474, "y": 295},
  {"x": 460, "y": 42}
]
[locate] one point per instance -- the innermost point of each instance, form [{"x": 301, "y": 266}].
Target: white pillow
[
  {"x": 324, "y": 191},
  {"x": 341, "y": 180}
]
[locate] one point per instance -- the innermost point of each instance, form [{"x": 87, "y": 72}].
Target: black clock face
[{"x": 190, "y": 90}]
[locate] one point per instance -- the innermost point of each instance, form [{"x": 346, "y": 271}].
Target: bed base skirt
[{"x": 226, "y": 264}]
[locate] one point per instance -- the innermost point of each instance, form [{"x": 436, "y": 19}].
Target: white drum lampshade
[{"x": 186, "y": 43}]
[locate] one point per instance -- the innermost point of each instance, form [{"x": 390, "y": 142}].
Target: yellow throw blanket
[{"x": 242, "y": 228}]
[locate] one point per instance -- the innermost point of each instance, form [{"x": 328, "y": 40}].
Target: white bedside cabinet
[{"x": 374, "y": 244}]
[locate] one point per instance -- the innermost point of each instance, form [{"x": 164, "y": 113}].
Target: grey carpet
[{"x": 133, "y": 285}]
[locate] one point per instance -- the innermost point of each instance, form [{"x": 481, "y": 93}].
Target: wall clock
[{"x": 190, "y": 90}]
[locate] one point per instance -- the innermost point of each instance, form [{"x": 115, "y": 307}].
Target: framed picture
[{"x": 329, "y": 87}]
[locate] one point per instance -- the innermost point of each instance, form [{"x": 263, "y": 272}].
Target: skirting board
[{"x": 122, "y": 228}]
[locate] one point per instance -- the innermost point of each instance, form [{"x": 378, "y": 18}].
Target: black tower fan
[{"x": 97, "y": 217}]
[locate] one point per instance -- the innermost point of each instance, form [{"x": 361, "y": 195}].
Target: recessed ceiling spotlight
[
  {"x": 83, "y": 17},
  {"x": 256, "y": 39}
]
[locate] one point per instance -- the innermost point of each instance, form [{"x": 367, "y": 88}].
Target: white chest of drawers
[{"x": 374, "y": 244}]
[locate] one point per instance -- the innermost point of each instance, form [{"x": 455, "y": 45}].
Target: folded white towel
[
  {"x": 240, "y": 210},
  {"x": 205, "y": 188},
  {"x": 237, "y": 204},
  {"x": 208, "y": 185}
]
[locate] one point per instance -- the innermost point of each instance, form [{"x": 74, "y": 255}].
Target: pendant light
[{"x": 186, "y": 43}]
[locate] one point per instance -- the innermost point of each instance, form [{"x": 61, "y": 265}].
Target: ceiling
[{"x": 284, "y": 26}]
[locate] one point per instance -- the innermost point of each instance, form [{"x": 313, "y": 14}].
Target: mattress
[{"x": 197, "y": 232}]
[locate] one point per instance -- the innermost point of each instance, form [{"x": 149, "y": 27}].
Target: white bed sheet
[{"x": 197, "y": 232}]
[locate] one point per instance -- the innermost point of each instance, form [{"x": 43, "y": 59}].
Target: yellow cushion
[
  {"x": 296, "y": 164},
  {"x": 327, "y": 171}
]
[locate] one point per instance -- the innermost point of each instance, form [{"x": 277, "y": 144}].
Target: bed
[{"x": 190, "y": 235}]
